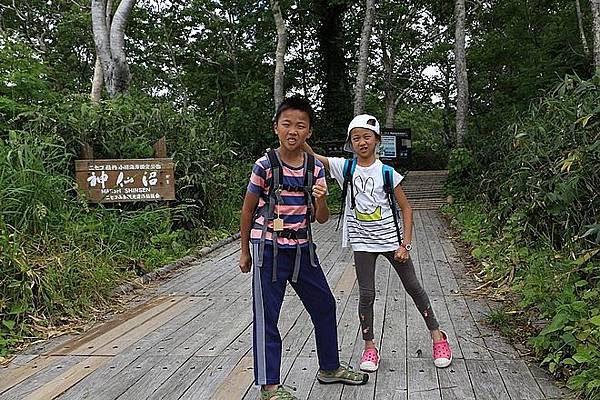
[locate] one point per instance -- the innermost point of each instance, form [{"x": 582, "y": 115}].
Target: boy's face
[
  {"x": 364, "y": 141},
  {"x": 292, "y": 128}
]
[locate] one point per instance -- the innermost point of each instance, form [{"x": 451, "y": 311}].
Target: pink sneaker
[
  {"x": 442, "y": 353},
  {"x": 369, "y": 361}
]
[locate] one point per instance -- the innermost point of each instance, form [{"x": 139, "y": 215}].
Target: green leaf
[
  {"x": 9, "y": 323},
  {"x": 595, "y": 320}
]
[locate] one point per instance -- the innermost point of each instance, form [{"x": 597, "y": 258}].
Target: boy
[{"x": 277, "y": 223}]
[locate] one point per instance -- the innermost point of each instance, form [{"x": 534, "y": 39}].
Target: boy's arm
[
  {"x": 319, "y": 157},
  {"x": 250, "y": 203},
  {"x": 407, "y": 221},
  {"x": 321, "y": 208}
]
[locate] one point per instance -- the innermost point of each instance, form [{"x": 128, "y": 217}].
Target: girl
[{"x": 371, "y": 229}]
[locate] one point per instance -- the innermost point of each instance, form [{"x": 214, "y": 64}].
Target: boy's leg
[
  {"x": 364, "y": 263},
  {"x": 314, "y": 292},
  {"x": 406, "y": 272},
  {"x": 267, "y": 299}
]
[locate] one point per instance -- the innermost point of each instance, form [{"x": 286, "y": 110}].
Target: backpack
[
  {"x": 388, "y": 188},
  {"x": 273, "y": 199}
]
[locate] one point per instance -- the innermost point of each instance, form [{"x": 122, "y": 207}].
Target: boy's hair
[{"x": 295, "y": 103}]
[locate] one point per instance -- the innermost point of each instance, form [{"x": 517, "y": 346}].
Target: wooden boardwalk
[{"x": 191, "y": 339}]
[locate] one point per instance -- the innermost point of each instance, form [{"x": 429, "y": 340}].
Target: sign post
[
  {"x": 127, "y": 180},
  {"x": 395, "y": 145}
]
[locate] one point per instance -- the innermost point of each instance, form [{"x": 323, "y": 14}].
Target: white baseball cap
[{"x": 361, "y": 121}]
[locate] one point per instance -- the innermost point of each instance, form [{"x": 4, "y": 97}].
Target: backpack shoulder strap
[
  {"x": 388, "y": 187},
  {"x": 347, "y": 173},
  {"x": 388, "y": 178},
  {"x": 275, "y": 170}
]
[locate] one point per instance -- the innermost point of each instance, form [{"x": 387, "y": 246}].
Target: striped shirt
[{"x": 293, "y": 207}]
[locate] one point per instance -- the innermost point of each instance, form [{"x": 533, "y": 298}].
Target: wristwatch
[{"x": 408, "y": 246}]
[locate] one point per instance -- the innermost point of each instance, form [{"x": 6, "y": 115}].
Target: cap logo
[{"x": 371, "y": 122}]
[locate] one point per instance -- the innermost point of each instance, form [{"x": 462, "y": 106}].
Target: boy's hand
[
  {"x": 319, "y": 191},
  {"x": 401, "y": 255},
  {"x": 245, "y": 262}
]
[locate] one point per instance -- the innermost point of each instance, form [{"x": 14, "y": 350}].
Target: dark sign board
[
  {"x": 110, "y": 181},
  {"x": 395, "y": 144}
]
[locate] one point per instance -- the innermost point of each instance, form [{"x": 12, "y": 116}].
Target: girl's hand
[
  {"x": 319, "y": 191},
  {"x": 401, "y": 255},
  {"x": 245, "y": 262}
]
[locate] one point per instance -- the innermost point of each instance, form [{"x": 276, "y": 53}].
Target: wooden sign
[{"x": 110, "y": 181}]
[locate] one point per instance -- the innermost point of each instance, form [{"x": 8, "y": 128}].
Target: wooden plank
[
  {"x": 434, "y": 231},
  {"x": 391, "y": 381},
  {"x": 177, "y": 383},
  {"x": 455, "y": 383},
  {"x": 549, "y": 386},
  {"x": 518, "y": 380},
  {"x": 499, "y": 347},
  {"x": 163, "y": 368},
  {"x": 61, "y": 383},
  {"x": 17, "y": 375},
  {"x": 302, "y": 376},
  {"x": 211, "y": 378},
  {"x": 105, "y": 332},
  {"x": 467, "y": 332},
  {"x": 486, "y": 380},
  {"x": 429, "y": 276},
  {"x": 125, "y": 338},
  {"x": 27, "y": 386},
  {"x": 422, "y": 380},
  {"x": 393, "y": 335},
  {"x": 237, "y": 383}
]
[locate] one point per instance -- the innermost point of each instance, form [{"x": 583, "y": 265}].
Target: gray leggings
[{"x": 365, "y": 273}]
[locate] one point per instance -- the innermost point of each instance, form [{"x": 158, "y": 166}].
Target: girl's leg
[
  {"x": 364, "y": 263},
  {"x": 406, "y": 272}
]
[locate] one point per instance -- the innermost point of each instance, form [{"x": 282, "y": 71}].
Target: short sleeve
[
  {"x": 398, "y": 178},
  {"x": 336, "y": 168},
  {"x": 258, "y": 178}
]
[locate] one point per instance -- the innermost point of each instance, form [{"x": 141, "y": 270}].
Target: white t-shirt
[{"x": 370, "y": 226}]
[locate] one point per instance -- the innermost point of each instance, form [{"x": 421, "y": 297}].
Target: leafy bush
[{"x": 531, "y": 215}]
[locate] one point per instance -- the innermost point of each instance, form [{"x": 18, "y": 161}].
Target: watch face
[{"x": 408, "y": 247}]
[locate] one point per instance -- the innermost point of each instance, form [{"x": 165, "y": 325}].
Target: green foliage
[
  {"x": 60, "y": 256},
  {"x": 461, "y": 166},
  {"x": 543, "y": 170},
  {"x": 552, "y": 286}
]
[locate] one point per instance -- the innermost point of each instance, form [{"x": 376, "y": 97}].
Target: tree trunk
[
  {"x": 337, "y": 109},
  {"x": 109, "y": 38},
  {"x": 96, "y": 93},
  {"x": 462, "y": 83},
  {"x": 363, "y": 58},
  {"x": 596, "y": 29},
  {"x": 584, "y": 42},
  {"x": 388, "y": 87},
  {"x": 278, "y": 89}
]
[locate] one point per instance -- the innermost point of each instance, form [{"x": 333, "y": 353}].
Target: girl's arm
[
  {"x": 319, "y": 157},
  {"x": 407, "y": 220},
  {"x": 250, "y": 203}
]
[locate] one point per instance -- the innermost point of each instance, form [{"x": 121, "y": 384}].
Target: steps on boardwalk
[{"x": 425, "y": 189}]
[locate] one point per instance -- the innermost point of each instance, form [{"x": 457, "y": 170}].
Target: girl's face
[
  {"x": 292, "y": 128},
  {"x": 364, "y": 142}
]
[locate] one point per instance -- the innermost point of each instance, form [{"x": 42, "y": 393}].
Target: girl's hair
[{"x": 295, "y": 103}]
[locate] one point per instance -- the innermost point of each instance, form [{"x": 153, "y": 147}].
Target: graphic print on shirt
[{"x": 366, "y": 209}]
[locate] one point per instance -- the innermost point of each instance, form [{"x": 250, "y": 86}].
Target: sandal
[{"x": 344, "y": 374}]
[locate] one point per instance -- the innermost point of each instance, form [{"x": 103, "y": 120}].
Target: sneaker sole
[
  {"x": 369, "y": 367},
  {"x": 443, "y": 365},
  {"x": 327, "y": 381}
]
